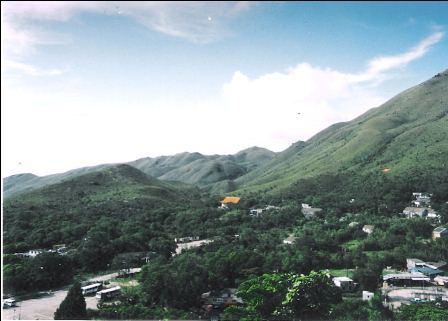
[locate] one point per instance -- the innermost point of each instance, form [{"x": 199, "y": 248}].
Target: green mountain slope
[
  {"x": 191, "y": 168},
  {"x": 407, "y": 134},
  {"x": 67, "y": 210}
]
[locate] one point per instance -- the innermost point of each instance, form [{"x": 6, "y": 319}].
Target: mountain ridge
[{"x": 191, "y": 168}]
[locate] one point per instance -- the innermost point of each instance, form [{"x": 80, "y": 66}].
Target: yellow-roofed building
[{"x": 230, "y": 199}]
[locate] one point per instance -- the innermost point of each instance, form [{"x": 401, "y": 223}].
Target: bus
[
  {"x": 108, "y": 293},
  {"x": 91, "y": 288}
]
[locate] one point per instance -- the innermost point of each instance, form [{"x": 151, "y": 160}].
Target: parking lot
[{"x": 43, "y": 308}]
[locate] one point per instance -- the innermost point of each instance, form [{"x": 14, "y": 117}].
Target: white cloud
[
  {"x": 31, "y": 70},
  {"x": 268, "y": 105},
  {"x": 382, "y": 64},
  {"x": 187, "y": 20}
]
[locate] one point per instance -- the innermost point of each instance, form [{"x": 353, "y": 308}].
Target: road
[{"x": 43, "y": 308}]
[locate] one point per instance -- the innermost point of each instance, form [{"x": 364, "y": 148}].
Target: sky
[{"x": 86, "y": 83}]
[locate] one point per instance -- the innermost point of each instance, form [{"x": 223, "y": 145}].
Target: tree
[
  {"x": 288, "y": 296},
  {"x": 310, "y": 296},
  {"x": 263, "y": 295},
  {"x": 73, "y": 307},
  {"x": 430, "y": 311}
]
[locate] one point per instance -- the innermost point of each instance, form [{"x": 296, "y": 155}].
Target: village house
[
  {"x": 344, "y": 283},
  {"x": 367, "y": 296},
  {"x": 220, "y": 299},
  {"x": 411, "y": 212},
  {"x": 429, "y": 269},
  {"x": 290, "y": 239},
  {"x": 421, "y": 199},
  {"x": 228, "y": 201},
  {"x": 412, "y": 263},
  {"x": 439, "y": 232},
  {"x": 368, "y": 229},
  {"x": 405, "y": 279},
  {"x": 190, "y": 245},
  {"x": 255, "y": 212},
  {"x": 353, "y": 224},
  {"x": 441, "y": 280},
  {"x": 310, "y": 212},
  {"x": 124, "y": 273},
  {"x": 186, "y": 239}
]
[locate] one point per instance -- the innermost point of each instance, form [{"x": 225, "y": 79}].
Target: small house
[
  {"x": 439, "y": 232},
  {"x": 310, "y": 212},
  {"x": 34, "y": 253},
  {"x": 255, "y": 212},
  {"x": 412, "y": 263},
  {"x": 228, "y": 200},
  {"x": 353, "y": 224},
  {"x": 405, "y": 279},
  {"x": 344, "y": 283},
  {"x": 411, "y": 212},
  {"x": 429, "y": 272},
  {"x": 367, "y": 296},
  {"x": 222, "y": 298},
  {"x": 441, "y": 280},
  {"x": 190, "y": 245},
  {"x": 368, "y": 229},
  {"x": 290, "y": 239}
]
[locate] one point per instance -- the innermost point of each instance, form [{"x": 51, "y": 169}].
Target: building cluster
[
  {"x": 423, "y": 281},
  {"x": 256, "y": 212},
  {"x": 60, "y": 249},
  {"x": 421, "y": 207}
]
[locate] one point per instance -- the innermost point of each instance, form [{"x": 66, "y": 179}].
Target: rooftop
[
  {"x": 230, "y": 199},
  {"x": 343, "y": 279}
]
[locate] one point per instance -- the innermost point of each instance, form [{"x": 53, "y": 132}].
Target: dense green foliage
[
  {"x": 73, "y": 307},
  {"x": 429, "y": 311},
  {"x": 46, "y": 271},
  {"x": 290, "y": 296}
]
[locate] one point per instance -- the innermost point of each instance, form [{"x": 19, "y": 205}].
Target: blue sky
[{"x": 85, "y": 83}]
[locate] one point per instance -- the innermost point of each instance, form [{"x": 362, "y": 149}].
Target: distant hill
[
  {"x": 67, "y": 210},
  {"x": 406, "y": 137},
  {"x": 203, "y": 170},
  {"x": 191, "y": 168}
]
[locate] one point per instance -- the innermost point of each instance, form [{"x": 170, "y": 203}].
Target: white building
[
  {"x": 368, "y": 229},
  {"x": 367, "y": 296},
  {"x": 344, "y": 283},
  {"x": 439, "y": 232},
  {"x": 190, "y": 245},
  {"x": 290, "y": 239}
]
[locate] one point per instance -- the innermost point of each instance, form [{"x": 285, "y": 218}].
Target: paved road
[{"x": 43, "y": 308}]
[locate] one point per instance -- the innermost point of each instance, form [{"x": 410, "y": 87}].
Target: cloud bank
[{"x": 297, "y": 103}]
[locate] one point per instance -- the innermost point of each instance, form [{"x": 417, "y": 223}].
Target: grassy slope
[
  {"x": 407, "y": 133},
  {"x": 120, "y": 192}
]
